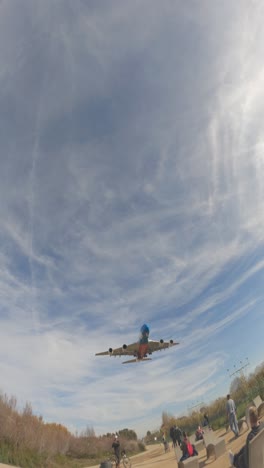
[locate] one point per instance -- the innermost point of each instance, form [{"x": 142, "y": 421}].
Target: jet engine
[
  {"x": 161, "y": 342},
  {"x": 124, "y": 346},
  {"x": 110, "y": 351},
  {"x": 171, "y": 342}
]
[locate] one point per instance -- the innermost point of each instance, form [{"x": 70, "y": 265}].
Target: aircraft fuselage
[
  {"x": 143, "y": 342},
  {"x": 142, "y": 350}
]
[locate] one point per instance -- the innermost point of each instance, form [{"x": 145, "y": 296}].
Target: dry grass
[{"x": 25, "y": 430}]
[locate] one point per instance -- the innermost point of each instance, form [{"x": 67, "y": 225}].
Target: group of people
[
  {"x": 177, "y": 436},
  {"x": 180, "y": 438},
  {"x": 238, "y": 460}
]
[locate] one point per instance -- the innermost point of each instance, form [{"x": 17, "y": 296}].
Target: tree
[
  {"x": 128, "y": 434},
  {"x": 235, "y": 384},
  {"x": 88, "y": 432},
  {"x": 27, "y": 411},
  {"x": 166, "y": 419}
]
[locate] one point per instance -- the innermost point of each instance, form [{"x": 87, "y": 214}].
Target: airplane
[{"x": 141, "y": 349}]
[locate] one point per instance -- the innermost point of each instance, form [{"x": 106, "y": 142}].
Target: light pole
[{"x": 239, "y": 370}]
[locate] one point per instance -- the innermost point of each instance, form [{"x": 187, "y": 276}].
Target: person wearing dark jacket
[
  {"x": 172, "y": 436},
  {"x": 206, "y": 420},
  {"x": 178, "y": 435},
  {"x": 116, "y": 447},
  {"x": 241, "y": 459}
]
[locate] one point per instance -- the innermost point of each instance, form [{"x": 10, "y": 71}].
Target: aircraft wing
[
  {"x": 133, "y": 349},
  {"x": 159, "y": 345},
  {"x": 125, "y": 350}
]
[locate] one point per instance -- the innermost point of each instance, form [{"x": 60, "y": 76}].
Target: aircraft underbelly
[{"x": 142, "y": 350}]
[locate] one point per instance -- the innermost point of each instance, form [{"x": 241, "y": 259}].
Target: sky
[{"x": 131, "y": 188}]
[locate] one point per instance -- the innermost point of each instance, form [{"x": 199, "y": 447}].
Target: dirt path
[
  {"x": 2, "y": 465},
  {"x": 154, "y": 457}
]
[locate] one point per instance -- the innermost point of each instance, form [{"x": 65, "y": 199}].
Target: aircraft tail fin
[{"x": 136, "y": 360}]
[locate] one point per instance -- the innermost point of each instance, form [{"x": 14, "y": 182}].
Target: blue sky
[{"x": 131, "y": 191}]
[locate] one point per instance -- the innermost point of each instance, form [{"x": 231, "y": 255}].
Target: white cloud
[{"x": 131, "y": 188}]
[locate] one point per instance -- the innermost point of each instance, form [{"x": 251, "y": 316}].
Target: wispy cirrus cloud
[{"x": 131, "y": 189}]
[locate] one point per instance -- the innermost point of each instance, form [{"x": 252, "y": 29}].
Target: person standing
[
  {"x": 231, "y": 414},
  {"x": 178, "y": 435},
  {"x": 165, "y": 443},
  {"x": 206, "y": 420},
  {"x": 173, "y": 436}
]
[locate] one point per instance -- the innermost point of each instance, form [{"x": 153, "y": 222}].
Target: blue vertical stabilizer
[{"x": 144, "y": 334}]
